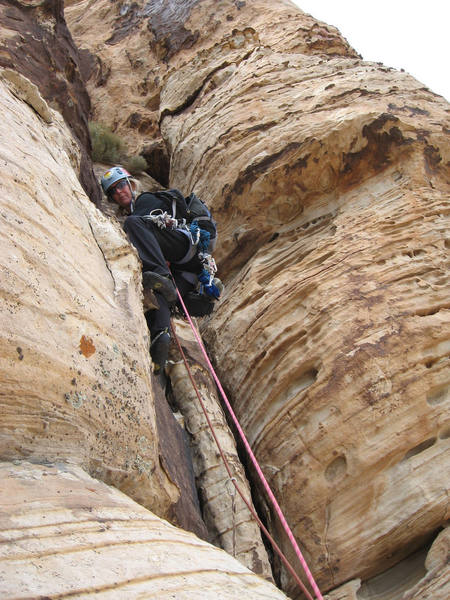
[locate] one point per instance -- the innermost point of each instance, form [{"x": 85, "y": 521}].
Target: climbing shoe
[
  {"x": 159, "y": 351},
  {"x": 161, "y": 284}
]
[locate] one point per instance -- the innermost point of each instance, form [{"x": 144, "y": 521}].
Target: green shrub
[
  {"x": 107, "y": 147},
  {"x": 135, "y": 164}
]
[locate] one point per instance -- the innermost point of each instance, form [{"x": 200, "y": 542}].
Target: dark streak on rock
[
  {"x": 142, "y": 123},
  {"x": 165, "y": 19},
  {"x": 175, "y": 457},
  {"x": 158, "y": 161},
  {"x": 190, "y": 100},
  {"x": 263, "y": 126},
  {"x": 377, "y": 152},
  {"x": 92, "y": 67},
  {"x": 126, "y": 23},
  {"x": 245, "y": 247},
  {"x": 432, "y": 156},
  {"x": 253, "y": 171},
  {"x": 413, "y": 110},
  {"x": 422, "y": 134},
  {"x": 40, "y": 47}
]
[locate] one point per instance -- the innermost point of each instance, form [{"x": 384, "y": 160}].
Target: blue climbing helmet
[{"x": 112, "y": 176}]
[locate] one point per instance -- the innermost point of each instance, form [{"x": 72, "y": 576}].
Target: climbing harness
[
  {"x": 255, "y": 464},
  {"x": 198, "y": 246},
  {"x": 199, "y": 239}
]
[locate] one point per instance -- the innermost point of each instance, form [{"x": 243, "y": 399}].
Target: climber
[{"x": 157, "y": 226}]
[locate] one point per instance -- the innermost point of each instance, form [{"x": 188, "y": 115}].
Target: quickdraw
[
  {"x": 163, "y": 220},
  {"x": 209, "y": 265}
]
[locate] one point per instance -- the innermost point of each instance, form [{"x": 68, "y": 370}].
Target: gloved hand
[
  {"x": 211, "y": 290},
  {"x": 208, "y": 287}
]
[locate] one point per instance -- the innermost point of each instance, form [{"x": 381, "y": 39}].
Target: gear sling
[{"x": 193, "y": 218}]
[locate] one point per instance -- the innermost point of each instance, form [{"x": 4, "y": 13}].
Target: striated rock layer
[
  {"x": 423, "y": 575},
  {"x": 77, "y": 395},
  {"x": 74, "y": 346},
  {"x": 64, "y": 534},
  {"x": 36, "y": 42},
  {"x": 229, "y": 521},
  {"x": 127, "y": 50},
  {"x": 329, "y": 177},
  {"x": 332, "y": 187}
]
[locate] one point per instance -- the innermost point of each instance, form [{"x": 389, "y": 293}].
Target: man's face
[{"x": 121, "y": 193}]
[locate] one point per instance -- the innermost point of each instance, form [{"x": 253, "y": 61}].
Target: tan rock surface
[
  {"x": 129, "y": 48},
  {"x": 35, "y": 42},
  {"x": 226, "y": 515},
  {"x": 424, "y": 575},
  {"x": 283, "y": 133},
  {"x": 75, "y": 368},
  {"x": 335, "y": 341},
  {"x": 330, "y": 180},
  {"x": 64, "y": 534}
]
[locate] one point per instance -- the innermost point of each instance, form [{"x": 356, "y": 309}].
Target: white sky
[{"x": 413, "y": 35}]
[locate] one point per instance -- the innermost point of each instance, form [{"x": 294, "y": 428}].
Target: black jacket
[{"x": 163, "y": 200}]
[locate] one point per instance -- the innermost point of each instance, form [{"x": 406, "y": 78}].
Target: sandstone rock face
[
  {"x": 231, "y": 525},
  {"x": 329, "y": 177},
  {"x": 64, "y": 534},
  {"x": 128, "y": 49},
  {"x": 75, "y": 367},
  {"x": 331, "y": 181},
  {"x": 334, "y": 337},
  {"x": 36, "y": 42},
  {"x": 78, "y": 396},
  {"x": 429, "y": 568}
]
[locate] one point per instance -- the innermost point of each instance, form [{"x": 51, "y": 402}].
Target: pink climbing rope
[
  {"x": 233, "y": 480},
  {"x": 253, "y": 458}
]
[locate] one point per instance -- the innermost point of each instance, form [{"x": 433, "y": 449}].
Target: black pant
[
  {"x": 159, "y": 319},
  {"x": 156, "y": 247}
]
